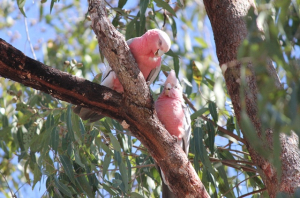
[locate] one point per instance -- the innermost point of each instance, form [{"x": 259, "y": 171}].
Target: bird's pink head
[
  {"x": 158, "y": 41},
  {"x": 172, "y": 88}
]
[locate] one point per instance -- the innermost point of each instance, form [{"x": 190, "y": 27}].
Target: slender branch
[
  {"x": 232, "y": 161},
  {"x": 12, "y": 194},
  {"x": 239, "y": 184},
  {"x": 221, "y": 148},
  {"x": 254, "y": 192},
  {"x": 28, "y": 38}
]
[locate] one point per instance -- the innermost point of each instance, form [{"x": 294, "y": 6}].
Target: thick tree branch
[
  {"x": 227, "y": 20},
  {"x": 16, "y": 66}
]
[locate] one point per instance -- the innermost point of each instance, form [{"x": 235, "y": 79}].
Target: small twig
[
  {"x": 229, "y": 143},
  {"x": 12, "y": 194},
  {"x": 254, "y": 192},
  {"x": 239, "y": 184},
  {"x": 28, "y": 38},
  {"x": 139, "y": 148},
  {"x": 144, "y": 166},
  {"x": 232, "y": 161},
  {"x": 221, "y": 148}
]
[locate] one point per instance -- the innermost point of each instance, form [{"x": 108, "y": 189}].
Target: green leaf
[
  {"x": 85, "y": 186},
  {"x": 25, "y": 171},
  {"x": 179, "y": 3},
  {"x": 106, "y": 163},
  {"x": 116, "y": 183},
  {"x": 119, "y": 177},
  {"x": 136, "y": 195},
  {"x": 21, "y": 4},
  {"x": 101, "y": 145},
  {"x": 109, "y": 189},
  {"x": 117, "y": 157},
  {"x": 171, "y": 53},
  {"x": 173, "y": 26},
  {"x": 115, "y": 142},
  {"x": 62, "y": 187},
  {"x": 4, "y": 121},
  {"x": 224, "y": 185},
  {"x": 67, "y": 164},
  {"x": 77, "y": 158},
  {"x": 122, "y": 3},
  {"x": 211, "y": 136},
  {"x": 37, "y": 175},
  {"x": 130, "y": 29},
  {"x": 20, "y": 137},
  {"x": 82, "y": 129},
  {"x": 176, "y": 65},
  {"x": 52, "y": 4},
  {"x": 165, "y": 68},
  {"x": 124, "y": 175},
  {"x": 201, "y": 151},
  {"x": 69, "y": 123},
  {"x": 213, "y": 111},
  {"x": 166, "y": 6},
  {"x": 143, "y": 8},
  {"x": 24, "y": 119},
  {"x": 54, "y": 139},
  {"x": 198, "y": 113}
]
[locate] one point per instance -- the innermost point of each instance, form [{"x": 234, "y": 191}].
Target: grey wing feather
[
  {"x": 187, "y": 128},
  {"x": 166, "y": 192},
  {"x": 129, "y": 41},
  {"x": 88, "y": 114},
  {"x": 153, "y": 74}
]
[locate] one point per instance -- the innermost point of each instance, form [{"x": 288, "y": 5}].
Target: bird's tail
[
  {"x": 166, "y": 192},
  {"x": 87, "y": 114}
]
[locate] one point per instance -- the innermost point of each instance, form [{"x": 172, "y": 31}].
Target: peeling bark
[{"x": 229, "y": 31}]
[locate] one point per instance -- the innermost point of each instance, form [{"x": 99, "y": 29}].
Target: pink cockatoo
[
  {"x": 147, "y": 51},
  {"x": 174, "y": 115}
]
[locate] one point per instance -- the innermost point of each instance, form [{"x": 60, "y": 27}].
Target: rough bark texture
[
  {"x": 135, "y": 106},
  {"x": 229, "y": 31}
]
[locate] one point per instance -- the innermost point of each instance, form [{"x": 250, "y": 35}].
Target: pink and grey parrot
[
  {"x": 147, "y": 51},
  {"x": 174, "y": 115}
]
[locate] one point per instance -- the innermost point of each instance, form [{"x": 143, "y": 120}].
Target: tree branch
[{"x": 61, "y": 85}]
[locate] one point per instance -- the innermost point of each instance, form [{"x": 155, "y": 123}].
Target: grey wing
[
  {"x": 153, "y": 74},
  {"x": 187, "y": 128},
  {"x": 129, "y": 41},
  {"x": 88, "y": 114}
]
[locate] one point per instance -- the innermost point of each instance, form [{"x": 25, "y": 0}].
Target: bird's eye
[
  {"x": 159, "y": 42},
  {"x": 175, "y": 87}
]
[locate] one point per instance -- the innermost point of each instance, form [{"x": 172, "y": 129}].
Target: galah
[
  {"x": 147, "y": 51},
  {"x": 174, "y": 115}
]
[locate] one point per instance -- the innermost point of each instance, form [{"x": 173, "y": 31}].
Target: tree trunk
[{"x": 229, "y": 28}]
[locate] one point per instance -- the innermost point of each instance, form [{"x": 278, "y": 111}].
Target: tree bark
[
  {"x": 134, "y": 109},
  {"x": 230, "y": 30}
]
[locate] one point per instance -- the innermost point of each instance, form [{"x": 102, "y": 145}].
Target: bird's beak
[
  {"x": 167, "y": 89},
  {"x": 159, "y": 52}
]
